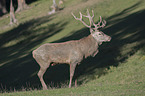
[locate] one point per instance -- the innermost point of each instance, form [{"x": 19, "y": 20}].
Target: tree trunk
[
  {"x": 3, "y": 7},
  {"x": 12, "y": 14},
  {"x": 21, "y": 5},
  {"x": 54, "y": 8}
]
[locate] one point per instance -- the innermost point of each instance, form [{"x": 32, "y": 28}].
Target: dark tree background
[
  {"x": 2, "y": 7},
  {"x": 18, "y": 5}
]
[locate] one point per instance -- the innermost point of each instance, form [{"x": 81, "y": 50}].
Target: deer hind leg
[
  {"x": 72, "y": 70},
  {"x": 40, "y": 75},
  {"x": 43, "y": 67}
]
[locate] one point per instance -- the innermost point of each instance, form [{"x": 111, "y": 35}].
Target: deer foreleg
[
  {"x": 72, "y": 70},
  {"x": 76, "y": 75}
]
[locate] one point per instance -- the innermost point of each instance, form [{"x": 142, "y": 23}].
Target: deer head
[{"x": 98, "y": 35}]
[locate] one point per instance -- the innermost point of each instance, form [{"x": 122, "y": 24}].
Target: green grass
[
  {"x": 116, "y": 70},
  {"x": 126, "y": 80}
]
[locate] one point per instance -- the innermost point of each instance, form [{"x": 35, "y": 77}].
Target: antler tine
[
  {"x": 74, "y": 16},
  {"x": 103, "y": 22},
  {"x": 80, "y": 19},
  {"x": 93, "y": 14},
  {"x": 92, "y": 18},
  {"x": 99, "y": 24},
  {"x": 88, "y": 14}
]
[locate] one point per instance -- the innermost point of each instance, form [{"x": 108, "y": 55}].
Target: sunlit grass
[{"x": 120, "y": 69}]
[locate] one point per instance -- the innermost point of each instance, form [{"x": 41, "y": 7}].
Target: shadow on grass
[
  {"x": 15, "y": 3},
  {"x": 127, "y": 31},
  {"x": 16, "y": 63},
  {"x": 18, "y": 68}
]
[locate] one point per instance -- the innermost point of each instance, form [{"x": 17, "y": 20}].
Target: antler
[
  {"x": 100, "y": 24},
  {"x": 81, "y": 17}
]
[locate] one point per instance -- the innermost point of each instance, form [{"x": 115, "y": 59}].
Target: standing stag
[{"x": 71, "y": 52}]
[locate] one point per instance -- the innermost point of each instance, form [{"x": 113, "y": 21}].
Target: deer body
[
  {"x": 67, "y": 52},
  {"x": 70, "y": 52}
]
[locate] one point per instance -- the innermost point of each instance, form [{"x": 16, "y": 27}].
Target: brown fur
[{"x": 71, "y": 52}]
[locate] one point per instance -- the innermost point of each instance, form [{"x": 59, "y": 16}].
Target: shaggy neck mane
[{"x": 88, "y": 46}]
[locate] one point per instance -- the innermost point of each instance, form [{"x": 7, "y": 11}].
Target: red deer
[{"x": 71, "y": 52}]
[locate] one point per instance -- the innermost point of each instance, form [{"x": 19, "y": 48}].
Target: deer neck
[
  {"x": 99, "y": 42},
  {"x": 89, "y": 46}
]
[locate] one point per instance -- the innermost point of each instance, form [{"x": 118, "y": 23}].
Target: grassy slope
[
  {"x": 126, "y": 80},
  {"x": 126, "y": 51}
]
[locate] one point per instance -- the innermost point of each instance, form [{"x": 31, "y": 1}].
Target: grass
[
  {"x": 125, "y": 80},
  {"x": 116, "y": 70}
]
